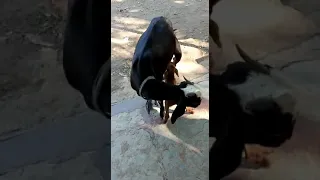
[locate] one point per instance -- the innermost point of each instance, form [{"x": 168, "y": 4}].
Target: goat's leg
[
  {"x": 161, "y": 109},
  {"x": 149, "y": 106},
  {"x": 166, "y": 117},
  {"x": 177, "y": 53},
  {"x": 158, "y": 90},
  {"x": 225, "y": 157}
]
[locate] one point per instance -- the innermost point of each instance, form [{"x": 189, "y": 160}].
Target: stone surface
[
  {"x": 78, "y": 168},
  {"x": 178, "y": 151},
  {"x": 297, "y": 60},
  {"x": 50, "y": 151}
]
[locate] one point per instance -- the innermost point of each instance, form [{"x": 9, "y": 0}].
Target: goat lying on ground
[
  {"x": 153, "y": 52},
  {"x": 260, "y": 121},
  {"x": 170, "y": 79}
]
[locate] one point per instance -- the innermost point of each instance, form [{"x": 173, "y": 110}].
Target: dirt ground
[
  {"x": 131, "y": 18},
  {"x": 33, "y": 89}
]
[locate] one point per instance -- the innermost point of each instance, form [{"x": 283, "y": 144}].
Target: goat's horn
[
  {"x": 189, "y": 82},
  {"x": 276, "y": 75},
  {"x": 255, "y": 64}
]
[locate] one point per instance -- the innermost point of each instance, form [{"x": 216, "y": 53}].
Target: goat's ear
[
  {"x": 176, "y": 71},
  {"x": 214, "y": 33}
]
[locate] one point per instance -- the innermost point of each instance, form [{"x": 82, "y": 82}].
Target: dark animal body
[
  {"x": 213, "y": 27},
  {"x": 262, "y": 123},
  {"x": 86, "y": 62},
  {"x": 154, "y": 50},
  {"x": 170, "y": 79}
]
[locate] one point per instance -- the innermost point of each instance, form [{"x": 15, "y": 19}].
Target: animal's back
[{"x": 158, "y": 38}]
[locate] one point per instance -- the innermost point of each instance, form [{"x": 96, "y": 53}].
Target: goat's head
[
  {"x": 192, "y": 93},
  {"x": 192, "y": 98}
]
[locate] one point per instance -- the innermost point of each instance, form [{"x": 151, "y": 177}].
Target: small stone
[{"x": 37, "y": 40}]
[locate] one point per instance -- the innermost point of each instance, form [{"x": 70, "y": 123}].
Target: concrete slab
[
  {"x": 55, "y": 143},
  {"x": 141, "y": 148},
  {"x": 81, "y": 167}
]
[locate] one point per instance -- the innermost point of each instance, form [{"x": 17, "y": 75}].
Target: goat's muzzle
[{"x": 193, "y": 100}]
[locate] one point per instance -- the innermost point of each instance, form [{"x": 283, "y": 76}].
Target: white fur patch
[
  {"x": 259, "y": 86},
  {"x": 192, "y": 89}
]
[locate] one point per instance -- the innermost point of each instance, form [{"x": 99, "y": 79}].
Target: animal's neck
[{"x": 170, "y": 79}]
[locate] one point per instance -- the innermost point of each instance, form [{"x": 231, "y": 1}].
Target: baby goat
[{"x": 169, "y": 78}]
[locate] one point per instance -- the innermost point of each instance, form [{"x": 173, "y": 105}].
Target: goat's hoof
[
  {"x": 257, "y": 155},
  {"x": 149, "y": 106}
]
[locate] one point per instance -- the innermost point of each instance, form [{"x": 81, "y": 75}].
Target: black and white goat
[{"x": 236, "y": 121}]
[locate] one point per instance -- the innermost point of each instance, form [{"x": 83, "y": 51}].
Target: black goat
[{"x": 152, "y": 54}]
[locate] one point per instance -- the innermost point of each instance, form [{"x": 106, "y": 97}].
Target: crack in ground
[
  {"x": 155, "y": 143},
  {"x": 202, "y": 130},
  {"x": 56, "y": 160},
  {"x": 294, "y": 46},
  {"x": 296, "y": 62}
]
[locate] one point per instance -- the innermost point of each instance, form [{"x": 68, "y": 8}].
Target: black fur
[
  {"x": 85, "y": 52},
  {"x": 213, "y": 26},
  {"x": 232, "y": 127},
  {"x": 153, "y": 52}
]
